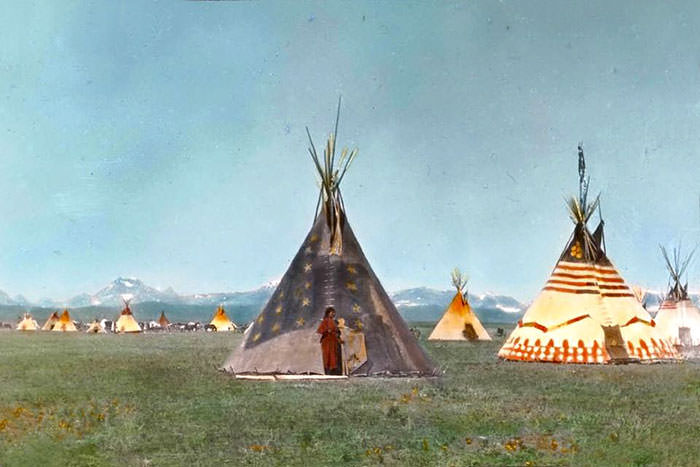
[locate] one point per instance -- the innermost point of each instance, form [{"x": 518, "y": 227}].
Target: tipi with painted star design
[{"x": 329, "y": 270}]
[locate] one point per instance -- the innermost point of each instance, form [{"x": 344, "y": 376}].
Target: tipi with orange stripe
[
  {"x": 678, "y": 318},
  {"x": 586, "y": 313},
  {"x": 459, "y": 322}
]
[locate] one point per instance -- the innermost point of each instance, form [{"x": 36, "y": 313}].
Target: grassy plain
[{"x": 159, "y": 400}]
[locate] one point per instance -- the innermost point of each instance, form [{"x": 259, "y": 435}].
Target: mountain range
[{"x": 415, "y": 304}]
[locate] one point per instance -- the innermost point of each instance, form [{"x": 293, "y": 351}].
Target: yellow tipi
[
  {"x": 28, "y": 323},
  {"x": 586, "y": 313},
  {"x": 221, "y": 322},
  {"x": 96, "y": 328},
  {"x": 459, "y": 322},
  {"x": 126, "y": 321},
  {"x": 49, "y": 324},
  {"x": 64, "y": 323}
]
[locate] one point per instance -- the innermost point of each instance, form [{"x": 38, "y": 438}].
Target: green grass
[{"x": 159, "y": 400}]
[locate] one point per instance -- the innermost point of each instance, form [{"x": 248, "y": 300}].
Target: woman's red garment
[{"x": 330, "y": 344}]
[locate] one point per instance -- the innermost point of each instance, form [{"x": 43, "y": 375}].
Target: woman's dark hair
[{"x": 328, "y": 311}]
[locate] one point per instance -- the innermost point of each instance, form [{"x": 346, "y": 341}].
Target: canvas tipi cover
[
  {"x": 49, "y": 324},
  {"x": 678, "y": 318},
  {"x": 96, "y": 328},
  {"x": 126, "y": 321},
  {"x": 329, "y": 269},
  {"x": 221, "y": 321},
  {"x": 28, "y": 323},
  {"x": 64, "y": 323},
  {"x": 459, "y": 321},
  {"x": 163, "y": 321},
  {"x": 586, "y": 313}
]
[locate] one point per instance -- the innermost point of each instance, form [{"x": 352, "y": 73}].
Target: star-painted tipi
[
  {"x": 329, "y": 270},
  {"x": 586, "y": 313},
  {"x": 459, "y": 322},
  {"x": 678, "y": 318}
]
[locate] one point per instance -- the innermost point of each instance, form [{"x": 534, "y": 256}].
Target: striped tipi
[
  {"x": 586, "y": 313},
  {"x": 459, "y": 321},
  {"x": 329, "y": 270},
  {"x": 678, "y": 317}
]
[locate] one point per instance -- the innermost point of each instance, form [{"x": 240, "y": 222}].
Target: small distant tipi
[
  {"x": 678, "y": 317},
  {"x": 163, "y": 321},
  {"x": 586, "y": 313},
  {"x": 96, "y": 328},
  {"x": 27, "y": 323},
  {"x": 64, "y": 323},
  {"x": 126, "y": 321},
  {"x": 459, "y": 322},
  {"x": 50, "y": 322},
  {"x": 329, "y": 271},
  {"x": 221, "y": 321}
]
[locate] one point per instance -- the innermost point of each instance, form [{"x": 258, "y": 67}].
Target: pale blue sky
[{"x": 166, "y": 140}]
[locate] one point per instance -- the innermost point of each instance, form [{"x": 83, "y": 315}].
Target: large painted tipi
[
  {"x": 678, "y": 318},
  {"x": 459, "y": 322},
  {"x": 329, "y": 270},
  {"x": 586, "y": 313}
]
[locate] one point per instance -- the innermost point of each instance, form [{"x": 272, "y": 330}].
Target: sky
[{"x": 166, "y": 140}]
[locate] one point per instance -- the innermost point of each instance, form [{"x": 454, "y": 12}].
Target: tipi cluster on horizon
[
  {"x": 585, "y": 313},
  {"x": 125, "y": 324}
]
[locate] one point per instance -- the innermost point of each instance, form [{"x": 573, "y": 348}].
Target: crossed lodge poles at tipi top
[
  {"x": 459, "y": 321},
  {"x": 329, "y": 269},
  {"x": 586, "y": 313}
]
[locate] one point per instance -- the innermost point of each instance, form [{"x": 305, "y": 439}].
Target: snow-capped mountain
[
  {"x": 126, "y": 288},
  {"x": 423, "y": 296}
]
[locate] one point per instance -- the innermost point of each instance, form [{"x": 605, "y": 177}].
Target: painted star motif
[
  {"x": 278, "y": 310},
  {"x": 356, "y": 308},
  {"x": 276, "y": 327},
  {"x": 261, "y": 318},
  {"x": 305, "y": 302},
  {"x": 352, "y": 270},
  {"x": 307, "y": 250},
  {"x": 282, "y": 294},
  {"x": 307, "y": 267},
  {"x": 351, "y": 286},
  {"x": 256, "y": 337},
  {"x": 307, "y": 285},
  {"x": 358, "y": 324},
  {"x": 314, "y": 238},
  {"x": 300, "y": 322}
]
